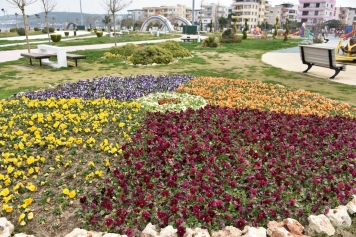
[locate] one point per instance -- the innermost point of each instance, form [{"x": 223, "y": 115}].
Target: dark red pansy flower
[
  {"x": 240, "y": 223},
  {"x": 145, "y": 215},
  {"x": 181, "y": 231},
  {"x": 109, "y": 222}
]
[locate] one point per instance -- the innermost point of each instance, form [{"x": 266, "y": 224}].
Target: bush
[
  {"x": 227, "y": 34},
  {"x": 125, "y": 50},
  {"x": 99, "y": 34},
  {"x": 175, "y": 48},
  {"x": 13, "y": 30},
  {"x": 21, "y": 31},
  {"x": 50, "y": 29},
  {"x": 89, "y": 29},
  {"x": 211, "y": 42},
  {"x": 66, "y": 33},
  {"x": 151, "y": 54},
  {"x": 56, "y": 37},
  {"x": 36, "y": 29},
  {"x": 95, "y": 30}
]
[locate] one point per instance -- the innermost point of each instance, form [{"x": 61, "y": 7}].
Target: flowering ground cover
[{"x": 267, "y": 153}]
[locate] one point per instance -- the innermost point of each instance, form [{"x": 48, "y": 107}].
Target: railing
[
  {"x": 308, "y": 1},
  {"x": 342, "y": 15},
  {"x": 314, "y": 16},
  {"x": 311, "y": 8}
]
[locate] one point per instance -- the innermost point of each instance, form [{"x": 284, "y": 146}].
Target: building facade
[
  {"x": 256, "y": 11},
  {"x": 347, "y": 15},
  {"x": 283, "y": 11},
  {"x": 210, "y": 13},
  {"x": 166, "y": 11},
  {"x": 312, "y": 12}
]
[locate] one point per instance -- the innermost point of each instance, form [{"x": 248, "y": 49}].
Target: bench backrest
[
  {"x": 320, "y": 56},
  {"x": 60, "y": 51}
]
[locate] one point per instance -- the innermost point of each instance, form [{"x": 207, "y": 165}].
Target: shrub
[
  {"x": 89, "y": 29},
  {"x": 95, "y": 30},
  {"x": 13, "y": 30},
  {"x": 125, "y": 50},
  {"x": 21, "y": 31},
  {"x": 151, "y": 54},
  {"x": 99, "y": 33},
  {"x": 56, "y": 37},
  {"x": 66, "y": 33},
  {"x": 211, "y": 42},
  {"x": 244, "y": 32},
  {"x": 36, "y": 29},
  {"x": 50, "y": 30},
  {"x": 227, "y": 34},
  {"x": 175, "y": 48}
]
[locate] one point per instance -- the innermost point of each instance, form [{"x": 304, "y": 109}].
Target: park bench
[
  {"x": 59, "y": 51},
  {"x": 312, "y": 55},
  {"x": 188, "y": 38},
  {"x": 75, "y": 57},
  {"x": 39, "y": 56}
]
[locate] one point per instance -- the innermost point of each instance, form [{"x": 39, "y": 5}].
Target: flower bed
[
  {"x": 113, "y": 87},
  {"x": 257, "y": 95},
  {"x": 170, "y": 101},
  {"x": 219, "y": 166},
  {"x": 226, "y": 163}
]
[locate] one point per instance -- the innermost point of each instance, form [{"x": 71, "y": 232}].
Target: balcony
[
  {"x": 314, "y": 1},
  {"x": 314, "y": 16},
  {"x": 311, "y": 8},
  {"x": 342, "y": 15}
]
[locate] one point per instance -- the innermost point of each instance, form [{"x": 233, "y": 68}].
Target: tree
[
  {"x": 48, "y": 6},
  {"x": 106, "y": 21},
  {"x": 21, "y": 4},
  {"x": 222, "y": 22},
  {"x": 37, "y": 19},
  {"x": 28, "y": 20},
  {"x": 16, "y": 14},
  {"x": 114, "y": 6}
]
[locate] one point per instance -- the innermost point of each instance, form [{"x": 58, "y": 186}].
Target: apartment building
[
  {"x": 166, "y": 11},
  {"x": 282, "y": 11},
  {"x": 311, "y": 12},
  {"x": 211, "y": 13},
  {"x": 347, "y": 15},
  {"x": 256, "y": 11},
  {"x": 136, "y": 14}
]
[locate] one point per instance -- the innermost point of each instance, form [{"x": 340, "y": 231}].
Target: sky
[{"x": 95, "y": 6}]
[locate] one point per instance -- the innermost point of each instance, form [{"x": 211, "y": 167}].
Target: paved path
[{"x": 289, "y": 59}]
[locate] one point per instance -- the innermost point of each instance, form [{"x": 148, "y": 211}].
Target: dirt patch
[{"x": 23, "y": 68}]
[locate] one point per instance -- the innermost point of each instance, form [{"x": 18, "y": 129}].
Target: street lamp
[
  {"x": 81, "y": 12},
  {"x": 3, "y": 10}
]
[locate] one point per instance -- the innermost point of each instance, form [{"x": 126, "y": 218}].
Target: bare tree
[
  {"x": 48, "y": 6},
  {"x": 114, "y": 6},
  {"x": 21, "y": 4}
]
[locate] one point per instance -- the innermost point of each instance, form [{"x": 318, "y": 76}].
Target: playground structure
[
  {"x": 349, "y": 51},
  {"x": 166, "y": 23}
]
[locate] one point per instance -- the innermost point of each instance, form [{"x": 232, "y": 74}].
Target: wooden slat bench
[
  {"x": 75, "y": 57},
  {"x": 320, "y": 56},
  {"x": 39, "y": 56}
]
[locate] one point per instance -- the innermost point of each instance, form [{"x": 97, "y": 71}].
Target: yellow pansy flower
[
  {"x": 66, "y": 191},
  {"x": 10, "y": 169},
  {"x": 99, "y": 173},
  {"x": 28, "y": 201},
  {"x": 5, "y": 192},
  {"x": 30, "y": 216},
  {"x": 21, "y": 217},
  {"x": 31, "y": 187},
  {"x": 121, "y": 125},
  {"x": 72, "y": 194}
]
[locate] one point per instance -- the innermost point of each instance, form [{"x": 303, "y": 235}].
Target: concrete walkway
[{"x": 289, "y": 59}]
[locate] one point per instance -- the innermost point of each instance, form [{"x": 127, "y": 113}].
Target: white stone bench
[
  {"x": 59, "y": 51},
  {"x": 320, "y": 56}
]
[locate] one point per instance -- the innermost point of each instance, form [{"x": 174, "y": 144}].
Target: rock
[
  {"x": 23, "y": 235},
  {"x": 321, "y": 224},
  {"x": 351, "y": 206},
  {"x": 339, "y": 216},
  {"x": 113, "y": 235},
  {"x": 287, "y": 228},
  {"x": 168, "y": 231},
  {"x": 228, "y": 231},
  {"x": 6, "y": 228},
  {"x": 77, "y": 233},
  {"x": 293, "y": 226},
  {"x": 197, "y": 232},
  {"x": 149, "y": 231},
  {"x": 254, "y": 232}
]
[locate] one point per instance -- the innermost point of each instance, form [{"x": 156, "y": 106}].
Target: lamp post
[
  {"x": 81, "y": 12},
  {"x": 4, "y": 11}
]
